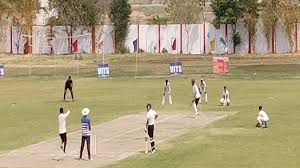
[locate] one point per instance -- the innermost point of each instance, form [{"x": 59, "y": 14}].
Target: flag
[
  {"x": 224, "y": 47},
  {"x": 222, "y": 41},
  {"x": 75, "y": 47},
  {"x": 26, "y": 47},
  {"x": 101, "y": 44},
  {"x": 213, "y": 44},
  {"x": 135, "y": 47},
  {"x": 174, "y": 44}
]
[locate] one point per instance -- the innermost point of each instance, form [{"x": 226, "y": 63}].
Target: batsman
[{"x": 151, "y": 117}]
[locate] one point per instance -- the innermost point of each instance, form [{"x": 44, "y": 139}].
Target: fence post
[
  {"x": 181, "y": 38},
  {"x": 273, "y": 40},
  {"x": 93, "y": 39},
  {"x": 296, "y": 38},
  {"x": 52, "y": 40},
  {"x": 204, "y": 37},
  {"x": 11, "y": 39},
  {"x": 249, "y": 41},
  {"x": 158, "y": 38},
  {"x": 71, "y": 40}
]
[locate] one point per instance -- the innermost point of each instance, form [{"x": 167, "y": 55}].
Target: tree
[
  {"x": 22, "y": 13},
  {"x": 270, "y": 17},
  {"x": 5, "y": 9},
  {"x": 186, "y": 12},
  {"x": 75, "y": 13},
  {"x": 288, "y": 10},
  {"x": 228, "y": 11},
  {"x": 119, "y": 16},
  {"x": 250, "y": 18}
]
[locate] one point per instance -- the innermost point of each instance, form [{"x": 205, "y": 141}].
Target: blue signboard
[
  {"x": 176, "y": 68},
  {"x": 103, "y": 70},
  {"x": 1, "y": 70}
]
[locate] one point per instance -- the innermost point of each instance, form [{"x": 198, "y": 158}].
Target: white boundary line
[
  {"x": 113, "y": 137},
  {"x": 179, "y": 133}
]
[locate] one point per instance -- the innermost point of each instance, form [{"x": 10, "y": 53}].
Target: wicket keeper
[
  {"x": 225, "y": 101},
  {"x": 262, "y": 118}
]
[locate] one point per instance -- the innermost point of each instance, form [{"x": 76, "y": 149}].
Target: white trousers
[
  {"x": 224, "y": 102},
  {"x": 205, "y": 96},
  {"x": 260, "y": 120},
  {"x": 167, "y": 96}
]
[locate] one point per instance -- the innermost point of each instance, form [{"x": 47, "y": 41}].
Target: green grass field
[{"x": 29, "y": 110}]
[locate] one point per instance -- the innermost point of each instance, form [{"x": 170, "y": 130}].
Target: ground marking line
[
  {"x": 163, "y": 140},
  {"x": 108, "y": 139}
]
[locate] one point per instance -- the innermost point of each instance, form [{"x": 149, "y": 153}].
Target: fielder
[
  {"x": 262, "y": 118},
  {"x": 86, "y": 133},
  {"x": 203, "y": 90},
  {"x": 151, "y": 117},
  {"x": 69, "y": 85},
  {"x": 62, "y": 128},
  {"x": 225, "y": 101},
  {"x": 196, "y": 97},
  {"x": 167, "y": 93}
]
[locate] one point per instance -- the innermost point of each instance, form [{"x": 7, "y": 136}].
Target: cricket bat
[{"x": 146, "y": 141}]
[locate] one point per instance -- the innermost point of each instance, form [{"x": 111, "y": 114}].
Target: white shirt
[
  {"x": 203, "y": 87},
  {"x": 196, "y": 93},
  {"x": 62, "y": 122},
  {"x": 226, "y": 94},
  {"x": 151, "y": 117},
  {"x": 263, "y": 115},
  {"x": 167, "y": 88}
]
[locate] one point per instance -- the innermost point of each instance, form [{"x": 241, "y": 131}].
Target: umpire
[
  {"x": 69, "y": 85},
  {"x": 86, "y": 133}
]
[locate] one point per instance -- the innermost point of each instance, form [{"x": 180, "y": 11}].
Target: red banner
[{"x": 221, "y": 65}]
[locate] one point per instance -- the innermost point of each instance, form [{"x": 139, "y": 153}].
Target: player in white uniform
[
  {"x": 225, "y": 101},
  {"x": 196, "y": 97},
  {"x": 62, "y": 128},
  {"x": 203, "y": 90},
  {"x": 151, "y": 117},
  {"x": 262, "y": 118},
  {"x": 167, "y": 93}
]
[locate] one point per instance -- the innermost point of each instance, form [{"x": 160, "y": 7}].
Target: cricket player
[
  {"x": 203, "y": 90},
  {"x": 225, "y": 101},
  {"x": 196, "y": 97},
  {"x": 167, "y": 93},
  {"x": 262, "y": 118},
  {"x": 151, "y": 117},
  {"x": 69, "y": 85},
  {"x": 86, "y": 132},
  {"x": 62, "y": 128}
]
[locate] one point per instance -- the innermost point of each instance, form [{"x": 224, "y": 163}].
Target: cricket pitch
[{"x": 116, "y": 140}]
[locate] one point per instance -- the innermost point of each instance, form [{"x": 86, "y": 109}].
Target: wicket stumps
[{"x": 94, "y": 144}]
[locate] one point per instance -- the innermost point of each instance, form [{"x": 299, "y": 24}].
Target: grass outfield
[
  {"x": 29, "y": 110},
  {"x": 235, "y": 142}
]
